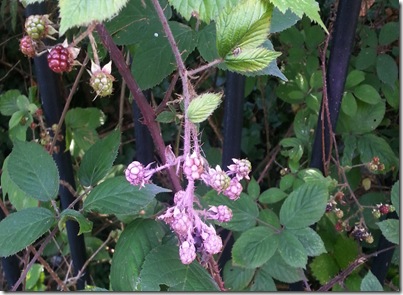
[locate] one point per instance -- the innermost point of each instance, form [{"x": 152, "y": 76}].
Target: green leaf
[
  {"x": 163, "y": 267},
  {"x": 16, "y": 196},
  {"x": 394, "y": 197},
  {"x": 263, "y": 282},
  {"x": 282, "y": 20},
  {"x": 254, "y": 247},
  {"x": 349, "y": 104},
  {"x": 390, "y": 229},
  {"x": 392, "y": 94},
  {"x": 244, "y": 210},
  {"x": 367, "y": 93},
  {"x": 370, "y": 283},
  {"x": 98, "y": 160},
  {"x": 33, "y": 276},
  {"x": 267, "y": 216},
  {"x": 70, "y": 214},
  {"x": 244, "y": 26},
  {"x": 117, "y": 196},
  {"x": 277, "y": 268},
  {"x": 371, "y": 145},
  {"x": 135, "y": 242},
  {"x": 206, "y": 10},
  {"x": 324, "y": 268},
  {"x": 389, "y": 33},
  {"x": 287, "y": 181},
  {"x": 153, "y": 59},
  {"x": 253, "y": 189},
  {"x": 366, "y": 119},
  {"x": 304, "y": 206},
  {"x": 366, "y": 58},
  {"x": 23, "y": 228},
  {"x": 207, "y": 43},
  {"x": 250, "y": 60},
  {"x": 33, "y": 171},
  {"x": 272, "y": 195},
  {"x": 354, "y": 78},
  {"x": 166, "y": 117},
  {"x": 295, "y": 149},
  {"x": 345, "y": 251},
  {"x": 15, "y": 119},
  {"x": 75, "y": 13},
  {"x": 350, "y": 145},
  {"x": 308, "y": 7},
  {"x": 82, "y": 124},
  {"x": 310, "y": 240},
  {"x": 292, "y": 250},
  {"x": 8, "y": 102},
  {"x": 237, "y": 278},
  {"x": 202, "y": 106},
  {"x": 386, "y": 69}
]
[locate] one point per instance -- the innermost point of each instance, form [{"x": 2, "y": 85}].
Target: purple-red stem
[{"x": 139, "y": 98}]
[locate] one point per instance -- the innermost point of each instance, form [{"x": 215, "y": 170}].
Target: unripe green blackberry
[
  {"x": 39, "y": 27},
  {"x": 102, "y": 83}
]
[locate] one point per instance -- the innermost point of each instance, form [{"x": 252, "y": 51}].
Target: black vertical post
[
  {"x": 232, "y": 133},
  {"x": 340, "y": 51},
  {"x": 52, "y": 105}
]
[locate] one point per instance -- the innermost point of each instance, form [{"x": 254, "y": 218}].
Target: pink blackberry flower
[
  {"x": 234, "y": 189},
  {"x": 137, "y": 174},
  {"x": 212, "y": 243},
  {"x": 241, "y": 168},
  {"x": 187, "y": 252},
  {"x": 217, "y": 179},
  {"x": 193, "y": 166},
  {"x": 221, "y": 213}
]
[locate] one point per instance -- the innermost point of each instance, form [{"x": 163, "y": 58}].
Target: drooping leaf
[
  {"x": 81, "y": 126},
  {"x": 202, "y": 106},
  {"x": 304, "y": 206},
  {"x": 282, "y": 20},
  {"x": 237, "y": 278},
  {"x": 277, "y": 268},
  {"x": 8, "y": 102},
  {"x": 389, "y": 33},
  {"x": 23, "y": 228},
  {"x": 162, "y": 266},
  {"x": 263, "y": 282},
  {"x": 245, "y": 25},
  {"x": 253, "y": 189},
  {"x": 349, "y": 104},
  {"x": 350, "y": 145},
  {"x": 395, "y": 197},
  {"x": 310, "y": 240},
  {"x": 205, "y": 10},
  {"x": 366, "y": 58},
  {"x": 16, "y": 196},
  {"x": 153, "y": 59},
  {"x": 272, "y": 195},
  {"x": 135, "y": 242},
  {"x": 387, "y": 69},
  {"x": 98, "y": 160},
  {"x": 207, "y": 43},
  {"x": 324, "y": 268},
  {"x": 33, "y": 171},
  {"x": 70, "y": 214},
  {"x": 345, "y": 251},
  {"x": 370, "y": 283},
  {"x": 390, "y": 229},
  {"x": 371, "y": 145},
  {"x": 291, "y": 249},
  {"x": 366, "y": 119},
  {"x": 75, "y": 13},
  {"x": 244, "y": 210},
  {"x": 250, "y": 60},
  {"x": 254, "y": 247},
  {"x": 166, "y": 117},
  {"x": 354, "y": 78},
  {"x": 117, "y": 196},
  {"x": 367, "y": 93},
  {"x": 308, "y": 7}
]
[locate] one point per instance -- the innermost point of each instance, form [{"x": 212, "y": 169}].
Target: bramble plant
[{"x": 182, "y": 221}]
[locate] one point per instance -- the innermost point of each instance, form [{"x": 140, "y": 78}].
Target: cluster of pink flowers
[{"x": 194, "y": 235}]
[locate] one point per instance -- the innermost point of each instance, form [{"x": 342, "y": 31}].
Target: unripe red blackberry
[
  {"x": 384, "y": 209},
  {"x": 60, "y": 59},
  {"x": 27, "y": 46}
]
